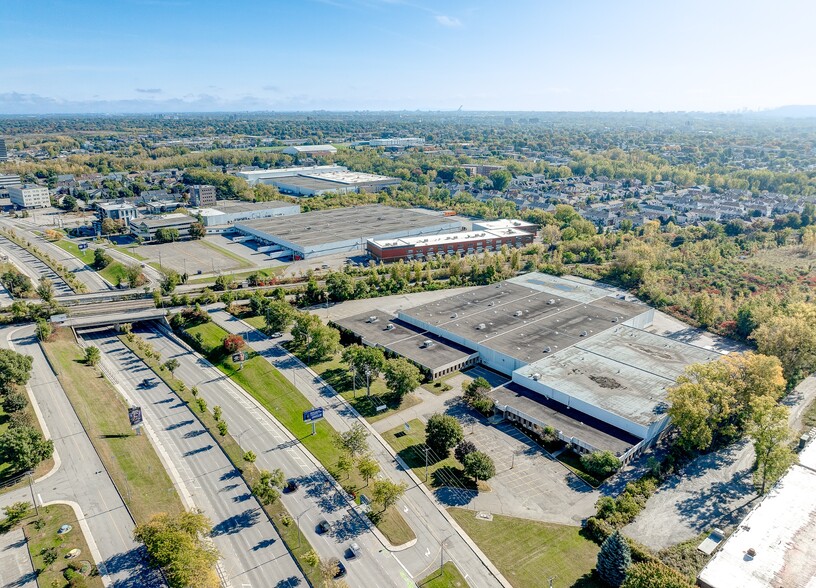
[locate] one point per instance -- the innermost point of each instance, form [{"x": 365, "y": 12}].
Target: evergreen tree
[{"x": 614, "y": 559}]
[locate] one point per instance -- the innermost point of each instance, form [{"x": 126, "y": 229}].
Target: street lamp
[
  {"x": 442, "y": 554},
  {"x": 368, "y": 382},
  {"x": 297, "y": 519}
]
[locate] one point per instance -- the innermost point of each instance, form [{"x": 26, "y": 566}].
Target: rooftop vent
[
  {"x": 455, "y": 315},
  {"x": 372, "y": 319},
  {"x": 518, "y": 313},
  {"x": 614, "y": 320},
  {"x": 389, "y": 327},
  {"x": 536, "y": 376},
  {"x": 583, "y": 333},
  {"x": 427, "y": 343},
  {"x": 547, "y": 349},
  {"x": 480, "y": 327},
  {"x": 550, "y": 301}
]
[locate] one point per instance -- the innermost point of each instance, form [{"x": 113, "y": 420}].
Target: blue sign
[
  {"x": 82, "y": 246},
  {"x": 312, "y": 415}
]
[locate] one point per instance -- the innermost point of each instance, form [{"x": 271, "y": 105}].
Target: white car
[{"x": 355, "y": 550}]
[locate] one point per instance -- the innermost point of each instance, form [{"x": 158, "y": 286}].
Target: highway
[
  {"x": 319, "y": 496},
  {"x": 252, "y": 553},
  {"x": 426, "y": 517},
  {"x": 33, "y": 267},
  {"x": 80, "y": 476}
]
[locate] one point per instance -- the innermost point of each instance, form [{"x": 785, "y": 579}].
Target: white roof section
[
  {"x": 446, "y": 238},
  {"x": 312, "y": 148},
  {"x": 504, "y": 223},
  {"x": 782, "y": 532},
  {"x": 572, "y": 288},
  {"x": 346, "y": 177},
  {"x": 116, "y": 206},
  {"x": 283, "y": 172}
]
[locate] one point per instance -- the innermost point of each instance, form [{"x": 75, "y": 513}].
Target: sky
[{"x": 536, "y": 55}]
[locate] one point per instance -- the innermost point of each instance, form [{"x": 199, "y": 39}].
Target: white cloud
[{"x": 448, "y": 21}]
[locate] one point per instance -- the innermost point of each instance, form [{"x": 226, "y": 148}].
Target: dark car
[
  {"x": 339, "y": 568},
  {"x": 146, "y": 383},
  {"x": 323, "y": 527},
  {"x": 291, "y": 486}
]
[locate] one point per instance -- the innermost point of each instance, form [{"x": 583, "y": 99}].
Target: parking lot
[{"x": 193, "y": 257}]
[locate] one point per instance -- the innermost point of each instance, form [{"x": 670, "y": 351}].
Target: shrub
[
  {"x": 600, "y": 464},
  {"x": 222, "y": 428},
  {"x": 49, "y": 555},
  {"x": 654, "y": 575}
]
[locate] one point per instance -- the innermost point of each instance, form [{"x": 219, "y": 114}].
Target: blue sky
[{"x": 640, "y": 55}]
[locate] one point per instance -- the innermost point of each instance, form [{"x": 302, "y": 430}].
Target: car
[
  {"x": 146, "y": 383},
  {"x": 291, "y": 486},
  {"x": 356, "y": 552},
  {"x": 339, "y": 568},
  {"x": 277, "y": 334},
  {"x": 323, "y": 527}
]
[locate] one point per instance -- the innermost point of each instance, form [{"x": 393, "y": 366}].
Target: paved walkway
[
  {"x": 429, "y": 404},
  {"x": 16, "y": 570}
]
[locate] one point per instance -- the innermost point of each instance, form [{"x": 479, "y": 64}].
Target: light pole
[
  {"x": 31, "y": 488},
  {"x": 442, "y": 554},
  {"x": 368, "y": 382},
  {"x": 297, "y": 518},
  {"x": 426, "y": 463}
]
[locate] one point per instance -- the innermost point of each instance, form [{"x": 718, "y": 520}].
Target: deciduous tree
[
  {"x": 768, "y": 428},
  {"x": 368, "y": 467},
  {"x": 401, "y": 376},
  {"x": 267, "y": 488},
  {"x": 25, "y": 447},
  {"x": 354, "y": 441},
  {"x": 479, "y": 466},
  {"x": 442, "y": 433},
  {"x": 92, "y": 355},
  {"x": 386, "y": 493}
]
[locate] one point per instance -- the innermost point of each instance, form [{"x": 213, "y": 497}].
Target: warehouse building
[
  {"x": 318, "y": 179},
  {"x": 230, "y": 212},
  {"x": 324, "y": 232},
  {"x": 265, "y": 176},
  {"x": 775, "y": 545},
  {"x": 310, "y": 150},
  {"x": 459, "y": 243},
  {"x": 577, "y": 354}
]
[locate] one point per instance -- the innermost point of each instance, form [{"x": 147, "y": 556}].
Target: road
[
  {"x": 319, "y": 496},
  {"x": 80, "y": 478},
  {"x": 253, "y": 554},
  {"x": 33, "y": 267},
  {"x": 425, "y": 516}
]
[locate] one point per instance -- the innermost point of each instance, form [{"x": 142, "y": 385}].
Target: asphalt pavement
[
  {"x": 33, "y": 267},
  {"x": 253, "y": 555},
  {"x": 318, "y": 497},
  {"x": 80, "y": 477}
]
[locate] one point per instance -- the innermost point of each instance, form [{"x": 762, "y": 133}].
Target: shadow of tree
[
  {"x": 236, "y": 523},
  {"x": 136, "y": 564},
  {"x": 348, "y": 527},
  {"x": 290, "y": 582}
]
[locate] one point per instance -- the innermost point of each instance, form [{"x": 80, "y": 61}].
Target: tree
[
  {"x": 614, "y": 559},
  {"x": 368, "y": 467},
  {"x": 365, "y": 362},
  {"x": 462, "y": 449},
  {"x": 92, "y": 355},
  {"x": 14, "y": 401},
  {"x": 175, "y": 544},
  {"x": 15, "y": 368},
  {"x": 501, "y": 179},
  {"x": 768, "y": 428},
  {"x": 166, "y": 235},
  {"x": 278, "y": 315},
  {"x": 600, "y": 464},
  {"x": 169, "y": 283},
  {"x": 267, "y": 487},
  {"x": 386, "y": 493},
  {"x": 109, "y": 226},
  {"x": 25, "y": 447},
  {"x": 171, "y": 365},
  {"x": 45, "y": 290},
  {"x": 233, "y": 343},
  {"x": 752, "y": 375},
  {"x": 442, "y": 433},
  {"x": 101, "y": 259},
  {"x": 197, "y": 231},
  {"x": 479, "y": 466},
  {"x": 401, "y": 376},
  {"x": 134, "y": 275},
  {"x": 318, "y": 340},
  {"x": 792, "y": 339},
  {"x": 17, "y": 283},
  {"x": 43, "y": 329},
  {"x": 16, "y": 512},
  {"x": 653, "y": 574},
  {"x": 340, "y": 286},
  {"x": 354, "y": 441},
  {"x": 249, "y": 456},
  {"x": 344, "y": 464}
]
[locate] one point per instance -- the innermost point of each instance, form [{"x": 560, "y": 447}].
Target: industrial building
[
  {"x": 29, "y": 196},
  {"x": 397, "y": 142},
  {"x": 578, "y": 356},
  {"x": 775, "y": 545},
  {"x": 325, "y": 232},
  {"x": 3, "y": 150},
  {"x": 310, "y": 150},
  {"x": 506, "y": 223},
  {"x": 318, "y": 179},
  {"x": 8, "y": 180},
  {"x": 230, "y": 212},
  {"x": 264, "y": 176},
  {"x": 459, "y": 243}
]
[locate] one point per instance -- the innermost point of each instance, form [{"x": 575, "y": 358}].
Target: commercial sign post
[
  {"x": 312, "y": 416},
  {"x": 135, "y": 418},
  {"x": 82, "y": 246}
]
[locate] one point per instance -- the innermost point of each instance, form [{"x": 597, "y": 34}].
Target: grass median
[
  {"x": 528, "y": 552},
  {"x": 280, "y": 517},
  {"x": 130, "y": 459},
  {"x": 283, "y": 400},
  {"x": 448, "y": 576},
  {"x": 114, "y": 272}
]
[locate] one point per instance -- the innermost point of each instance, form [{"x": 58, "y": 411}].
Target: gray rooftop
[
  {"x": 307, "y": 183},
  {"x": 570, "y": 422},
  {"x": 231, "y": 206},
  {"x": 321, "y": 227},
  {"x": 404, "y": 339}
]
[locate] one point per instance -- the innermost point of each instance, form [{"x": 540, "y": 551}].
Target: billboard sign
[
  {"x": 314, "y": 414},
  {"x": 82, "y": 246},
  {"x": 135, "y": 416}
]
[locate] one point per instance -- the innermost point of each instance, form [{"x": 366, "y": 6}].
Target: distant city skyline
[{"x": 88, "y": 56}]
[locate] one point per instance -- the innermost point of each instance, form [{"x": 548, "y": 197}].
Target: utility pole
[
  {"x": 426, "y": 463},
  {"x": 31, "y": 488}
]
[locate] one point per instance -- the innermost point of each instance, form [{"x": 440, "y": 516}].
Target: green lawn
[
  {"x": 528, "y": 552},
  {"x": 438, "y": 386},
  {"x": 114, "y": 272},
  {"x": 46, "y": 538},
  {"x": 256, "y": 322},
  {"x": 267, "y": 273},
  {"x": 277, "y": 395},
  {"x": 86, "y": 255},
  {"x": 410, "y": 446},
  {"x": 448, "y": 577},
  {"x": 130, "y": 459},
  {"x": 212, "y": 336}
]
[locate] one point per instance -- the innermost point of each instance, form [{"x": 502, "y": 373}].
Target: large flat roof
[
  {"x": 373, "y": 328},
  {"x": 446, "y": 238},
  {"x": 349, "y": 177},
  {"x": 308, "y": 183},
  {"x": 570, "y": 422},
  {"x": 343, "y": 224},
  {"x": 782, "y": 532}
]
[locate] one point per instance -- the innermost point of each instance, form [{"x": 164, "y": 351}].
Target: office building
[
  {"x": 202, "y": 196},
  {"x": 8, "y": 180},
  {"x": 3, "y": 150},
  {"x": 30, "y": 196}
]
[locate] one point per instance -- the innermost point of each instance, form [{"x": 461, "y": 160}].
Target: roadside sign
[
  {"x": 312, "y": 415},
  {"x": 238, "y": 356},
  {"x": 82, "y": 246},
  {"x": 135, "y": 416}
]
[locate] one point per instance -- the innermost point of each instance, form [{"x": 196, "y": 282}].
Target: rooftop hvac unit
[
  {"x": 547, "y": 349},
  {"x": 518, "y": 313},
  {"x": 480, "y": 327},
  {"x": 536, "y": 376},
  {"x": 551, "y": 301},
  {"x": 427, "y": 343},
  {"x": 389, "y": 327},
  {"x": 583, "y": 333},
  {"x": 372, "y": 319}
]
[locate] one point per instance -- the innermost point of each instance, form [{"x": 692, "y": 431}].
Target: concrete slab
[{"x": 15, "y": 564}]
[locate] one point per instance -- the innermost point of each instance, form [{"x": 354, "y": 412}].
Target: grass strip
[
  {"x": 528, "y": 552},
  {"x": 448, "y": 577},
  {"x": 130, "y": 459},
  {"x": 44, "y": 544},
  {"x": 276, "y": 511},
  {"x": 283, "y": 400},
  {"x": 114, "y": 272}
]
